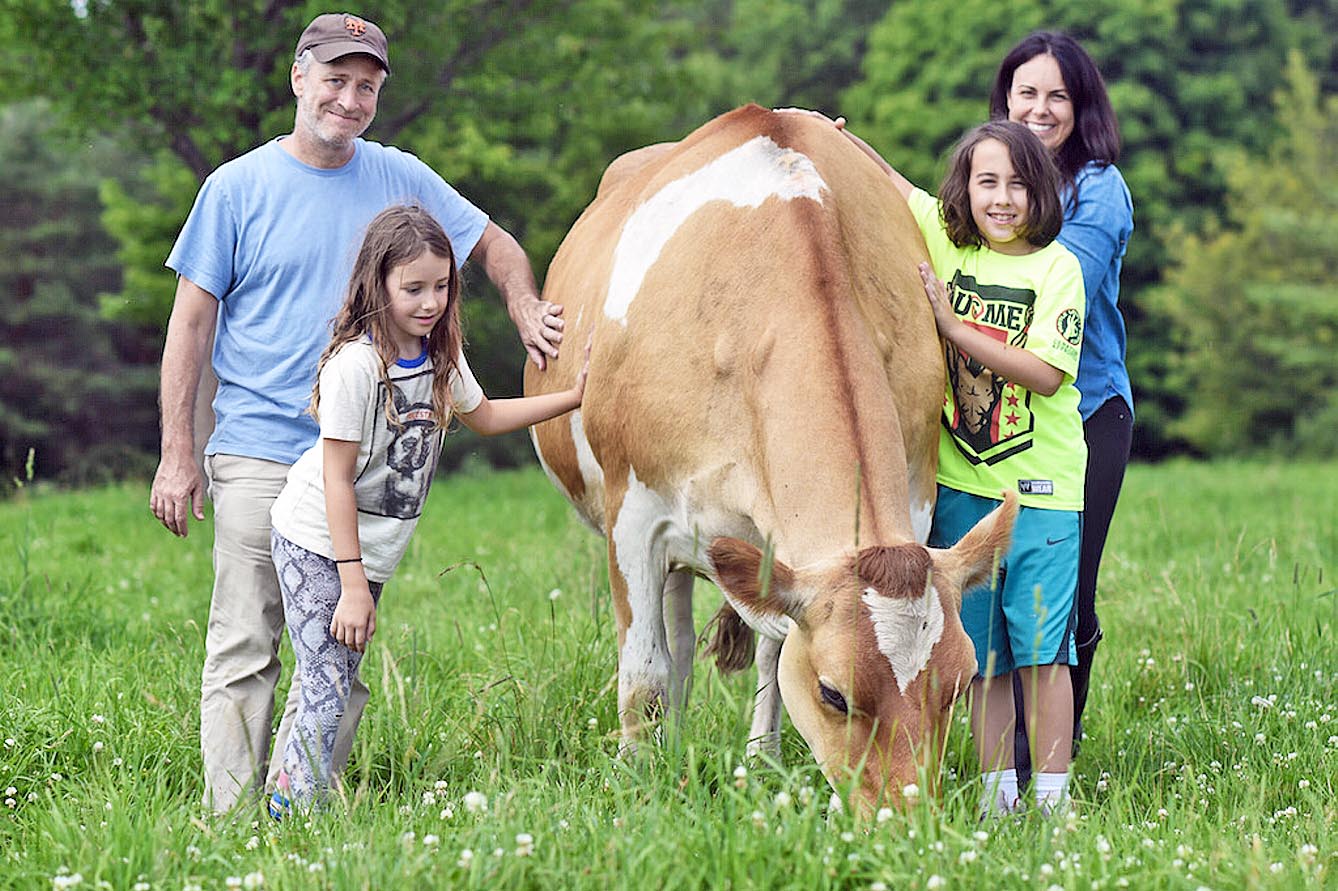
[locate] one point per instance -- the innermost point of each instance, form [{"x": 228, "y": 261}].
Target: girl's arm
[
  {"x": 354, "y": 620},
  {"x": 1013, "y": 363},
  {"x": 494, "y": 416}
]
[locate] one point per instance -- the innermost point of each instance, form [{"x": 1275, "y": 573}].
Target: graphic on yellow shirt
[{"x": 990, "y": 417}]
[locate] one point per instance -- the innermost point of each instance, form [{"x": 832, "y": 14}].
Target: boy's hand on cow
[
  {"x": 937, "y": 293},
  {"x": 354, "y": 620}
]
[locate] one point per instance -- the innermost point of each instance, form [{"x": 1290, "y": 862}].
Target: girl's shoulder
[{"x": 356, "y": 354}]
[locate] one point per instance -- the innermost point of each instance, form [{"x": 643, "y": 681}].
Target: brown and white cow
[{"x": 766, "y": 373}]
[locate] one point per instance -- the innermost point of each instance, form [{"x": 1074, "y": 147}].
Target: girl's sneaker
[{"x": 279, "y": 803}]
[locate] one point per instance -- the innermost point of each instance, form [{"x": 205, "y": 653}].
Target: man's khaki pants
[{"x": 241, "y": 663}]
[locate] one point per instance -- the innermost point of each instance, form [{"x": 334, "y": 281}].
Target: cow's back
[{"x": 760, "y": 334}]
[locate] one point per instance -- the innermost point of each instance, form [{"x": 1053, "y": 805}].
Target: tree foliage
[
  {"x": 76, "y": 390},
  {"x": 1253, "y": 303}
]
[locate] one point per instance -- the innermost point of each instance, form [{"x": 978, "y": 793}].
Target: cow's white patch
[
  {"x": 745, "y": 177},
  {"x": 907, "y": 628},
  {"x": 591, "y": 472},
  {"x": 640, "y": 541},
  {"x": 922, "y": 520}
]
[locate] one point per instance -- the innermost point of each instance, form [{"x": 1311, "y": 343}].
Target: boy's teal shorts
[{"x": 1028, "y": 617}]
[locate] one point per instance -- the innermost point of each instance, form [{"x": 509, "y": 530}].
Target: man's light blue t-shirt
[
  {"x": 1097, "y": 229},
  {"x": 274, "y": 240}
]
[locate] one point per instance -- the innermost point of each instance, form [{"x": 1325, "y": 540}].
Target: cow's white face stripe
[
  {"x": 745, "y": 177},
  {"x": 922, "y": 519},
  {"x": 907, "y": 628}
]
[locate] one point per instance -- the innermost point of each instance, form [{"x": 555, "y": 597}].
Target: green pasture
[{"x": 1211, "y": 759}]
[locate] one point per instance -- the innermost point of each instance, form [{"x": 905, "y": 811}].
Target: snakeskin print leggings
[{"x": 310, "y": 585}]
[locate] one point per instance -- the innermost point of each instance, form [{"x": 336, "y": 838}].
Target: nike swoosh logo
[{"x": 1055, "y": 541}]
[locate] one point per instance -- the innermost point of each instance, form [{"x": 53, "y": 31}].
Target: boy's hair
[
  {"x": 397, "y": 235},
  {"x": 1034, "y": 167},
  {"x": 1096, "y": 131}
]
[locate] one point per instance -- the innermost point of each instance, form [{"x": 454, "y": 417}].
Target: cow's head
[{"x": 876, "y": 654}]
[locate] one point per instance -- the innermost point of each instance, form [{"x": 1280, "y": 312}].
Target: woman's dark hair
[
  {"x": 1096, "y": 132},
  {"x": 1034, "y": 167}
]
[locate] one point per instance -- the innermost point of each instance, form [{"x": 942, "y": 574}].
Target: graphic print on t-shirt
[
  {"x": 991, "y": 417},
  {"x": 411, "y": 454}
]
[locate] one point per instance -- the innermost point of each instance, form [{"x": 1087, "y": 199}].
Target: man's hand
[
  {"x": 540, "y": 325},
  {"x": 177, "y": 492},
  {"x": 538, "y": 322}
]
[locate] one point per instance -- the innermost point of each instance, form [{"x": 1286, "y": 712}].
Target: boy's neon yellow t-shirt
[{"x": 996, "y": 434}]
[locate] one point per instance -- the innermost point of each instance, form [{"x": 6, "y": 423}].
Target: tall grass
[{"x": 1211, "y": 758}]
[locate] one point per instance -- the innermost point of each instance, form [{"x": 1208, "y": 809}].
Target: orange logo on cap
[{"x": 356, "y": 27}]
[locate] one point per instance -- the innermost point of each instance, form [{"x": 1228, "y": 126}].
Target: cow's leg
[
  {"x": 764, "y": 737},
  {"x": 638, "y": 582},
  {"x": 683, "y": 637}
]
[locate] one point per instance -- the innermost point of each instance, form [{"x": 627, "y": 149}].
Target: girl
[
  {"x": 1049, "y": 83},
  {"x": 1012, "y": 317},
  {"x": 387, "y": 385}
]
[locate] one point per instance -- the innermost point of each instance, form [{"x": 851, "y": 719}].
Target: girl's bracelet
[{"x": 349, "y": 560}]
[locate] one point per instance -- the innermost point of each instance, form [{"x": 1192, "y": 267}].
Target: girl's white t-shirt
[{"x": 394, "y": 467}]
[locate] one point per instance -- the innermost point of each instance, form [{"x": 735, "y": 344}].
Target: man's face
[{"x": 336, "y": 102}]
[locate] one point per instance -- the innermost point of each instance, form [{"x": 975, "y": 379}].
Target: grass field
[{"x": 1211, "y": 759}]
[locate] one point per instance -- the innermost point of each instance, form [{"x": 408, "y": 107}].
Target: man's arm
[
  {"x": 178, "y": 486},
  {"x": 538, "y": 321}
]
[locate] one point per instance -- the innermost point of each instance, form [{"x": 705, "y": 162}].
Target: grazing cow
[{"x": 766, "y": 375}]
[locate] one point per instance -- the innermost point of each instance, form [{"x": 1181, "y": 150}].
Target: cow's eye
[{"x": 832, "y": 698}]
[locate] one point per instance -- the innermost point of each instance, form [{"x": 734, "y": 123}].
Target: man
[{"x": 263, "y": 262}]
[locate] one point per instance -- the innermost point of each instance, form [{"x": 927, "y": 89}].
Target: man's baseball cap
[{"x": 338, "y": 34}]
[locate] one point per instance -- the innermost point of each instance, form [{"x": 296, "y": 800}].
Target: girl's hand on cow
[
  {"x": 579, "y": 387},
  {"x": 354, "y": 620},
  {"x": 944, "y": 319}
]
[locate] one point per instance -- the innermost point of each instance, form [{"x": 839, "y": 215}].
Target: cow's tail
[{"x": 732, "y": 641}]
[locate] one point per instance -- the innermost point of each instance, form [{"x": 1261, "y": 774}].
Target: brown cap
[{"x": 338, "y": 34}]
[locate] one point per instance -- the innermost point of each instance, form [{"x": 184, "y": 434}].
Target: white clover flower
[
  {"x": 936, "y": 881},
  {"x": 441, "y": 786},
  {"x": 806, "y": 793},
  {"x": 847, "y": 837},
  {"x": 981, "y": 836},
  {"x": 10, "y": 742},
  {"x": 253, "y": 880},
  {"x": 555, "y": 594},
  {"x": 592, "y": 723},
  {"x": 252, "y": 843},
  {"x": 878, "y": 886},
  {"x": 740, "y": 777},
  {"x": 447, "y": 812},
  {"x": 884, "y": 814},
  {"x": 1260, "y": 702},
  {"x": 429, "y": 798},
  {"x": 1303, "y": 784},
  {"x": 968, "y": 856},
  {"x": 139, "y": 886},
  {"x": 1307, "y": 854},
  {"x": 1275, "y": 868},
  {"x": 430, "y": 841},
  {"x": 759, "y": 820},
  {"x": 783, "y": 799},
  {"x": 476, "y": 802},
  {"x": 524, "y": 844},
  {"x": 97, "y": 746},
  {"x": 407, "y": 839},
  {"x": 98, "y": 719},
  {"x": 466, "y": 858},
  {"x": 232, "y": 882},
  {"x": 910, "y": 792},
  {"x": 498, "y": 853},
  {"x": 315, "y": 866}
]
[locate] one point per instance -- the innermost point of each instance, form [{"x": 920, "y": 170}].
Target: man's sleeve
[{"x": 205, "y": 247}]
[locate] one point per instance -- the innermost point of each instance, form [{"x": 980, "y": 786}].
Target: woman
[{"x": 1050, "y": 84}]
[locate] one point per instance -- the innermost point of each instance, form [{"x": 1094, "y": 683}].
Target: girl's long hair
[
  {"x": 1034, "y": 167},
  {"x": 1096, "y": 131},
  {"x": 397, "y": 235}
]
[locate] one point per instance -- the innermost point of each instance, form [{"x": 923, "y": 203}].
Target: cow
[{"x": 763, "y": 410}]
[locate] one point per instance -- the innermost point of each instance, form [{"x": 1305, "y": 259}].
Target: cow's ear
[
  {"x": 754, "y": 580},
  {"x": 975, "y": 559}
]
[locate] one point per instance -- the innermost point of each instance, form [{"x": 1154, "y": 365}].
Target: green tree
[
  {"x": 75, "y": 388},
  {"x": 1252, "y": 305},
  {"x": 1188, "y": 79}
]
